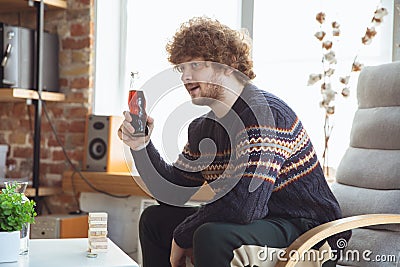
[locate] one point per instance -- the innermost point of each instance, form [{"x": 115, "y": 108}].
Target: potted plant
[{"x": 15, "y": 212}]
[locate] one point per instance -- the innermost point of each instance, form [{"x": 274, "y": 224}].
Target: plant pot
[{"x": 9, "y": 246}]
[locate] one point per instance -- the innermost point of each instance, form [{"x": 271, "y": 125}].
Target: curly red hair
[{"x": 202, "y": 37}]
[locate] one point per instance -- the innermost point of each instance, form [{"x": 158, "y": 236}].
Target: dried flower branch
[{"x": 329, "y": 62}]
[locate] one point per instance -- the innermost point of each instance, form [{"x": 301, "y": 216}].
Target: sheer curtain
[{"x": 286, "y": 52}]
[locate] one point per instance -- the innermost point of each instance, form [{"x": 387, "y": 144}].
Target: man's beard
[{"x": 214, "y": 93}]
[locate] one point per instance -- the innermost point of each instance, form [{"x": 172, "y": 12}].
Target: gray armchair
[{"x": 367, "y": 182}]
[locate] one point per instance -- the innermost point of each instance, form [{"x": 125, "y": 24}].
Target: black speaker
[{"x": 104, "y": 151}]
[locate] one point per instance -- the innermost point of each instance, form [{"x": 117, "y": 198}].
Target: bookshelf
[
  {"x": 18, "y": 94},
  {"x": 9, "y": 6}
]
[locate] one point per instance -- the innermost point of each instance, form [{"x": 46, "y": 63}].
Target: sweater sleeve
[
  {"x": 166, "y": 182},
  {"x": 259, "y": 155}
]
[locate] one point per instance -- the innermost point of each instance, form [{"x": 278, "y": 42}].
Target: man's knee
[
  {"x": 208, "y": 232},
  {"x": 212, "y": 233},
  {"x": 149, "y": 214},
  {"x": 149, "y": 218},
  {"x": 163, "y": 219},
  {"x": 212, "y": 245}
]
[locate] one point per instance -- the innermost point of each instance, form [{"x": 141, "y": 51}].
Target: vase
[
  {"x": 9, "y": 246},
  {"x": 25, "y": 231}
]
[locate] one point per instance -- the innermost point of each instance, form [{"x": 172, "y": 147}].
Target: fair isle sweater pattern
[
  {"x": 266, "y": 143},
  {"x": 268, "y": 147}
]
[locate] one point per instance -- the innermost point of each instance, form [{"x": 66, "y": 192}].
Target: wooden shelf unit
[
  {"x": 9, "y": 6},
  {"x": 43, "y": 191},
  {"x": 119, "y": 183},
  {"x": 18, "y": 95}
]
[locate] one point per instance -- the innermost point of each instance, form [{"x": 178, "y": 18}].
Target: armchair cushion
[
  {"x": 356, "y": 160},
  {"x": 376, "y": 128},
  {"x": 365, "y": 240},
  {"x": 373, "y": 79},
  {"x": 358, "y": 201}
]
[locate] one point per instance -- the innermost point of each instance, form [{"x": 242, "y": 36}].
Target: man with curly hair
[{"x": 269, "y": 186}]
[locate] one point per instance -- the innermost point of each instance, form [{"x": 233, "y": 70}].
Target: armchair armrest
[{"x": 310, "y": 238}]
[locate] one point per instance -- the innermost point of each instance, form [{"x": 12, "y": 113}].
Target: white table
[{"x": 70, "y": 252}]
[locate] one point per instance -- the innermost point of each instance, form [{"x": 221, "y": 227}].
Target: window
[
  {"x": 131, "y": 36},
  {"x": 286, "y": 52},
  {"x": 109, "y": 50},
  {"x": 139, "y": 45}
]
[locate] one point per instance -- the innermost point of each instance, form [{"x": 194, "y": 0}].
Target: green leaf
[{"x": 15, "y": 210}]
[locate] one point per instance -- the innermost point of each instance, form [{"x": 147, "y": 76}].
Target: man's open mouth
[{"x": 193, "y": 88}]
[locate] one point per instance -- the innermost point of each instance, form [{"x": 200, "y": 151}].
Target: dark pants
[{"x": 213, "y": 243}]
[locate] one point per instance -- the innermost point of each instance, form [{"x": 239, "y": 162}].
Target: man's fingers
[
  {"x": 126, "y": 131},
  {"x": 127, "y": 116},
  {"x": 150, "y": 120},
  {"x": 123, "y": 133},
  {"x": 119, "y": 133},
  {"x": 127, "y": 127}
]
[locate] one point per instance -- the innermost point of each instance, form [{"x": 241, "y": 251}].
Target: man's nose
[{"x": 186, "y": 75}]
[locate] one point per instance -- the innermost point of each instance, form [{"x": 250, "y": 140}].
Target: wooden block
[
  {"x": 91, "y": 250},
  {"x": 92, "y": 233},
  {"x": 98, "y": 245},
  {"x": 97, "y": 225},
  {"x": 98, "y": 216}
]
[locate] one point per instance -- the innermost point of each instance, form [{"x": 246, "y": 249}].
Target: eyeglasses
[{"x": 193, "y": 65}]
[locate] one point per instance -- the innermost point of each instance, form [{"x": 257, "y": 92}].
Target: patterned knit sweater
[{"x": 262, "y": 164}]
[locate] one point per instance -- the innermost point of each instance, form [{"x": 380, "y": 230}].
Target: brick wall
[{"x": 75, "y": 27}]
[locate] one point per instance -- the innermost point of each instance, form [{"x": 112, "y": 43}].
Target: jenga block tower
[{"x": 97, "y": 235}]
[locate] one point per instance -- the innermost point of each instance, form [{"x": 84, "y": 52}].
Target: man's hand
[
  {"x": 178, "y": 255},
  {"x": 126, "y": 131}
]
